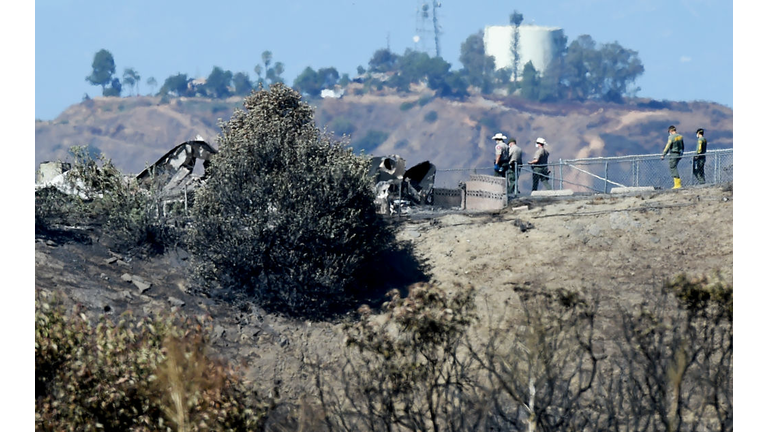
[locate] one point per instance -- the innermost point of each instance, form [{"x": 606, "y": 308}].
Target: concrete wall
[{"x": 486, "y": 193}]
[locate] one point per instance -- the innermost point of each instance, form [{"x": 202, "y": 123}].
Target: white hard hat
[
  {"x": 499, "y": 136},
  {"x": 541, "y": 141}
]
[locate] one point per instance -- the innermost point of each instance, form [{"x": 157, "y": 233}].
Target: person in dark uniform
[
  {"x": 700, "y": 158},
  {"x": 539, "y": 165},
  {"x": 515, "y": 162},
  {"x": 501, "y": 162},
  {"x": 675, "y": 148}
]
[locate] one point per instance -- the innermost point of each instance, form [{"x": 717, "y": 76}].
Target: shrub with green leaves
[
  {"x": 134, "y": 375},
  {"x": 372, "y": 139},
  {"x": 287, "y": 214},
  {"x": 342, "y": 126},
  {"x": 405, "y": 106}
]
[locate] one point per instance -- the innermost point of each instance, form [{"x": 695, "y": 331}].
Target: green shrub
[
  {"x": 342, "y": 126},
  {"x": 136, "y": 374},
  {"x": 219, "y": 107},
  {"x": 372, "y": 139},
  {"x": 405, "y": 106},
  {"x": 403, "y": 143},
  {"x": 287, "y": 215},
  {"x": 430, "y": 117},
  {"x": 489, "y": 122}
]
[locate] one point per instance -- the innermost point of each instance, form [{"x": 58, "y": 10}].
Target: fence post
[
  {"x": 560, "y": 166},
  {"x": 635, "y": 173},
  {"x": 605, "y": 182},
  {"x": 717, "y": 168}
]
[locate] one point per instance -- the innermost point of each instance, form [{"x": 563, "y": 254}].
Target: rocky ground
[{"x": 619, "y": 245}]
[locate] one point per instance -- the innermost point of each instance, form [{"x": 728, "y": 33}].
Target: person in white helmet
[{"x": 539, "y": 165}]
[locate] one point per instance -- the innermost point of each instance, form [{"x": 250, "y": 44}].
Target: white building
[{"x": 536, "y": 44}]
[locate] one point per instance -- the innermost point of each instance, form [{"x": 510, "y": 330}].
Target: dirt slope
[
  {"x": 136, "y": 131},
  {"x": 620, "y": 245}
]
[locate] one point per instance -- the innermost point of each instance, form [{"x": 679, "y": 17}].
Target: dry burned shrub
[
  {"x": 98, "y": 195},
  {"x": 133, "y": 375},
  {"x": 541, "y": 362},
  {"x": 287, "y": 215},
  {"x": 674, "y": 368},
  {"x": 404, "y": 369},
  {"x": 52, "y": 209},
  {"x": 562, "y": 362}
]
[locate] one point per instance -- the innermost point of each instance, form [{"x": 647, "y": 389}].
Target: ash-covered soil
[{"x": 618, "y": 245}]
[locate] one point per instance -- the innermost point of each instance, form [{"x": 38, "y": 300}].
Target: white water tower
[{"x": 536, "y": 44}]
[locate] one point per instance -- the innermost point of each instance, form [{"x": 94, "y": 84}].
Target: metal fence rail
[{"x": 600, "y": 175}]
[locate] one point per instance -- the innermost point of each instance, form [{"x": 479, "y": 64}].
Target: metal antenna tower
[
  {"x": 437, "y": 29},
  {"x": 423, "y": 28},
  {"x": 422, "y": 17}
]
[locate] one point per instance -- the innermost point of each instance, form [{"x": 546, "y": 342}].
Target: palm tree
[
  {"x": 515, "y": 19},
  {"x": 132, "y": 78},
  {"x": 152, "y": 83}
]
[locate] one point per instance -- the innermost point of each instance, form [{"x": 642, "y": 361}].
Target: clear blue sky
[{"x": 685, "y": 45}]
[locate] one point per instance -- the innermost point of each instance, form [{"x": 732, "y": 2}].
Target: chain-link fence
[{"x": 600, "y": 175}]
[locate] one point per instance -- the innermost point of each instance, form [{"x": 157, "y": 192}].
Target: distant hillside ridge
[{"x": 135, "y": 131}]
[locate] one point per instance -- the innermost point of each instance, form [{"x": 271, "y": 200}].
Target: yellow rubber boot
[{"x": 677, "y": 185}]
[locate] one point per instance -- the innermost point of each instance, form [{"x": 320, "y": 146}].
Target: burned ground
[{"x": 617, "y": 245}]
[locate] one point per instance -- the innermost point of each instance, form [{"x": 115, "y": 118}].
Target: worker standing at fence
[
  {"x": 675, "y": 148},
  {"x": 539, "y": 165},
  {"x": 501, "y": 163},
  {"x": 515, "y": 162},
  {"x": 700, "y": 158}
]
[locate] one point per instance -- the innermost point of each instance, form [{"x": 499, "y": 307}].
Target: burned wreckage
[
  {"x": 398, "y": 188},
  {"x": 170, "y": 177},
  {"x": 172, "y": 172}
]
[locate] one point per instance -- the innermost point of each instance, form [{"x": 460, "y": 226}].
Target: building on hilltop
[{"x": 537, "y": 44}]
